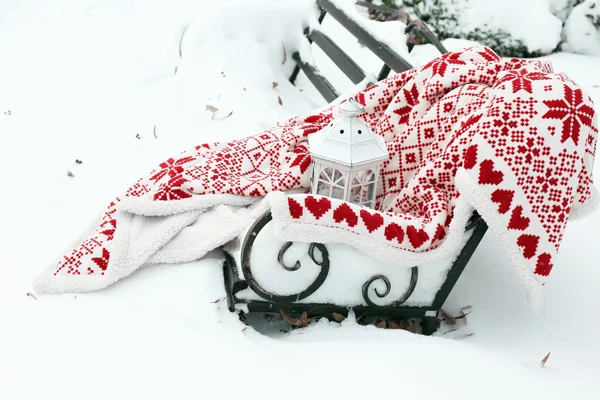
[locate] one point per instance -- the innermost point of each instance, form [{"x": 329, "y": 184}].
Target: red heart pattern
[
  {"x": 488, "y": 175},
  {"x": 529, "y": 244},
  {"x": 440, "y": 233},
  {"x": 517, "y": 220},
  {"x": 394, "y": 231},
  {"x": 504, "y": 199},
  {"x": 295, "y": 208},
  {"x": 344, "y": 212},
  {"x": 544, "y": 264},
  {"x": 371, "y": 221},
  {"x": 318, "y": 208},
  {"x": 416, "y": 236},
  {"x": 470, "y": 157}
]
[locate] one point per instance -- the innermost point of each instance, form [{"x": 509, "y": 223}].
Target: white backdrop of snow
[{"x": 81, "y": 79}]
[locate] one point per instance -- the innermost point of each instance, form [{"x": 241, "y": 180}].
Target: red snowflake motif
[
  {"x": 314, "y": 123},
  {"x": 440, "y": 65},
  {"x": 102, "y": 262},
  {"x": 173, "y": 190},
  {"x": 302, "y": 158},
  {"x": 489, "y": 55},
  {"x": 411, "y": 96},
  {"x": 111, "y": 230},
  {"x": 205, "y": 145},
  {"x": 171, "y": 167},
  {"x": 522, "y": 80},
  {"x": 572, "y": 111}
]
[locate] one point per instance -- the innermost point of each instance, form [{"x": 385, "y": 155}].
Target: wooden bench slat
[
  {"x": 381, "y": 50},
  {"x": 338, "y": 56},
  {"x": 385, "y": 71},
  {"x": 318, "y": 80}
]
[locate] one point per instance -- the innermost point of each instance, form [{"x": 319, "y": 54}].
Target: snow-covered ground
[{"x": 81, "y": 79}]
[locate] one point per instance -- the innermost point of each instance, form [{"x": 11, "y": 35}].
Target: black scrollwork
[
  {"x": 255, "y": 286},
  {"x": 388, "y": 286}
]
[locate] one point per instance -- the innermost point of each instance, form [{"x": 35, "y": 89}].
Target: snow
[
  {"x": 81, "y": 79},
  {"x": 582, "y": 29},
  {"x": 542, "y": 35}
]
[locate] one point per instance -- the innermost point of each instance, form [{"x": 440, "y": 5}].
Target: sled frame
[{"x": 238, "y": 278}]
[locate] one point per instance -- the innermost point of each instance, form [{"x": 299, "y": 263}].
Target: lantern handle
[{"x": 354, "y": 109}]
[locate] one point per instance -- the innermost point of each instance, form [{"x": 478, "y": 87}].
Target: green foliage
[{"x": 442, "y": 16}]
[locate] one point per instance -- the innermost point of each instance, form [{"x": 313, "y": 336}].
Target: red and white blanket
[{"x": 509, "y": 138}]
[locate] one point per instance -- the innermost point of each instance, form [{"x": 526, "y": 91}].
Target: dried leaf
[
  {"x": 297, "y": 322},
  {"x": 381, "y": 324},
  {"x": 154, "y": 131},
  {"x": 212, "y": 109},
  {"x": 279, "y": 101},
  {"x": 338, "y": 317},
  {"x": 275, "y": 84},
  {"x": 228, "y": 115},
  {"x": 450, "y": 319},
  {"x": 415, "y": 327},
  {"x": 545, "y": 359},
  {"x": 394, "y": 325},
  {"x": 69, "y": 173},
  {"x": 288, "y": 319},
  {"x": 137, "y": 136},
  {"x": 78, "y": 161},
  {"x": 29, "y": 294}
]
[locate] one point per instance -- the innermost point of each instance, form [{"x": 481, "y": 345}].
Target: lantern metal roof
[{"x": 348, "y": 140}]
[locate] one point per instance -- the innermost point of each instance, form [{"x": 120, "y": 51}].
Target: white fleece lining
[{"x": 145, "y": 228}]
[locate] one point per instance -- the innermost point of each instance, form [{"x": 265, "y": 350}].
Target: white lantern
[{"x": 347, "y": 158}]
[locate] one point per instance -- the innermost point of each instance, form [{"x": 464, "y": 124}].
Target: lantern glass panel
[
  {"x": 323, "y": 188},
  {"x": 326, "y": 174},
  {"x": 355, "y": 194},
  {"x": 369, "y": 193},
  {"x": 337, "y": 192},
  {"x": 338, "y": 177}
]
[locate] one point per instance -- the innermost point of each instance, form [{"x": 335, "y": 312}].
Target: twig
[
  {"x": 450, "y": 319},
  {"x": 284, "y": 55},
  {"x": 218, "y": 119},
  {"x": 29, "y": 294},
  {"x": 545, "y": 359},
  {"x": 181, "y": 39},
  {"x": 451, "y": 330}
]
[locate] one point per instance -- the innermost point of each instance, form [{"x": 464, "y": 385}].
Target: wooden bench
[
  {"x": 416, "y": 32},
  {"x": 238, "y": 274}
]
